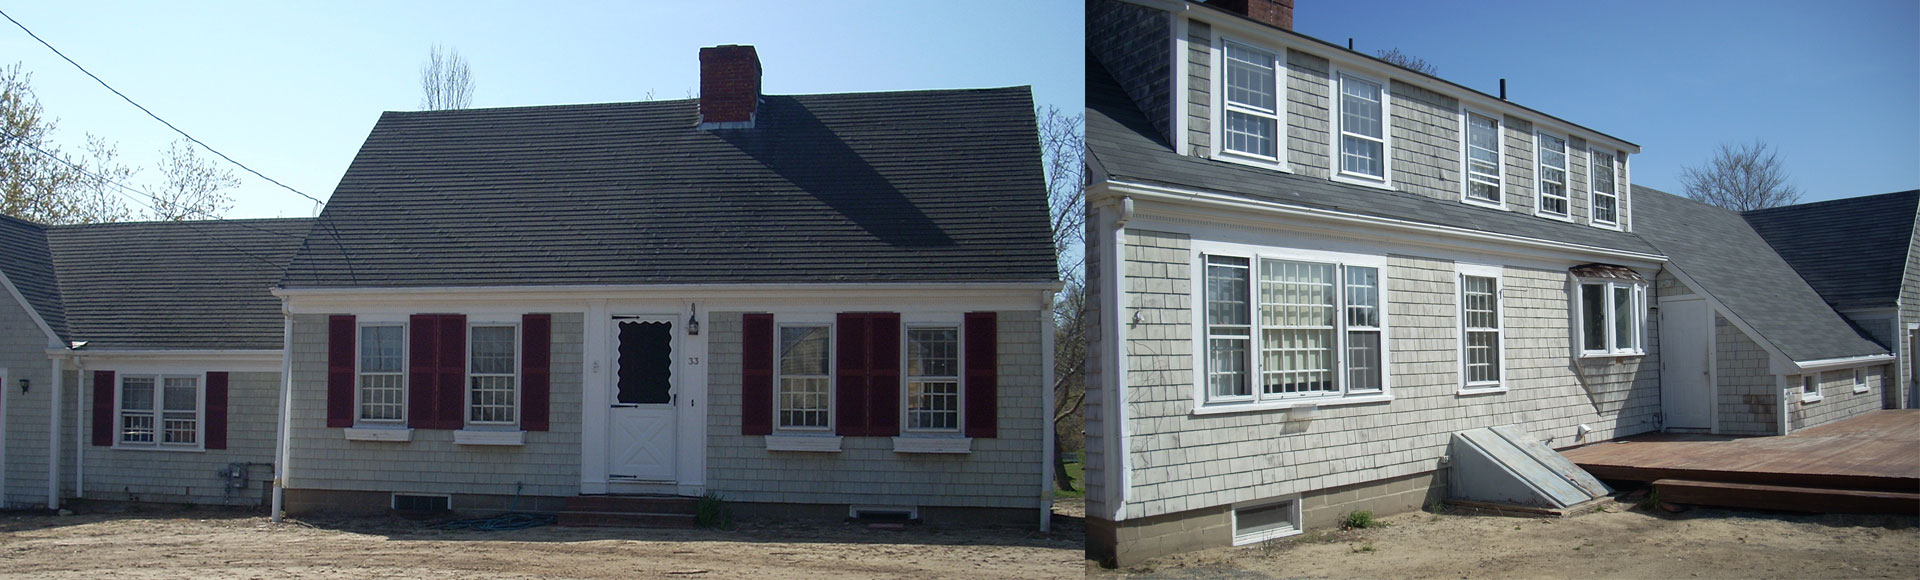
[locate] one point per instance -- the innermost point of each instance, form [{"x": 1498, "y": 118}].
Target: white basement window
[
  {"x": 1276, "y": 330},
  {"x": 1483, "y": 160},
  {"x": 1258, "y": 523},
  {"x": 1551, "y": 174},
  {"x": 1606, "y": 201},
  {"x": 1362, "y": 129},
  {"x": 1612, "y": 315},
  {"x": 1252, "y": 127},
  {"x": 159, "y": 411}
]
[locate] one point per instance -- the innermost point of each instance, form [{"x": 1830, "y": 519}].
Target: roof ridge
[
  {"x": 182, "y": 223},
  {"x": 695, "y": 100},
  {"x": 1836, "y": 201}
]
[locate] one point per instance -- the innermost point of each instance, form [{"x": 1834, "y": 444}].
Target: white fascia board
[
  {"x": 53, "y": 339},
  {"x": 973, "y": 295},
  {"x": 263, "y": 361},
  {"x": 1828, "y": 364},
  {"x": 1352, "y": 60},
  {"x": 1233, "y": 209}
]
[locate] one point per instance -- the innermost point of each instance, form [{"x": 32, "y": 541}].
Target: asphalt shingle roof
[
  {"x": 174, "y": 285},
  {"x": 26, "y": 261},
  {"x": 1720, "y": 252},
  {"x": 1124, "y": 146},
  {"x": 926, "y": 186},
  {"x": 1853, "y": 250}
]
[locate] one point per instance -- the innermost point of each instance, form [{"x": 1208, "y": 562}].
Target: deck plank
[{"x": 1878, "y": 450}]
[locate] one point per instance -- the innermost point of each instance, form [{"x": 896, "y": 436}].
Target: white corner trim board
[
  {"x": 933, "y": 445},
  {"x": 812, "y": 443},
  {"x": 472, "y": 437}
]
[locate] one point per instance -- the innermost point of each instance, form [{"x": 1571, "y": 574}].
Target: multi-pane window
[
  {"x": 382, "y": 376},
  {"x": 1298, "y": 328},
  {"x": 1552, "y": 173},
  {"x": 1228, "y": 328},
  {"x": 805, "y": 395},
  {"x": 160, "y": 410},
  {"x": 492, "y": 378},
  {"x": 1252, "y": 102},
  {"x": 1483, "y": 158},
  {"x": 1363, "y": 329},
  {"x": 1606, "y": 202},
  {"x": 933, "y": 379},
  {"x": 1363, "y": 141},
  {"x": 1480, "y": 324},
  {"x": 1611, "y": 314}
]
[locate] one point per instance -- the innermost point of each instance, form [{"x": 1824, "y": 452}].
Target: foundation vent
[{"x": 417, "y": 503}]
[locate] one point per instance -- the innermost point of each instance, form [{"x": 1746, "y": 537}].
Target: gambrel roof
[
  {"x": 925, "y": 186},
  {"x": 1852, "y": 250}
]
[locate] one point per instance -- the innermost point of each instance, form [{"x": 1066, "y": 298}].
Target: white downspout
[
  {"x": 53, "y": 432},
  {"x": 1047, "y": 405},
  {"x": 79, "y": 428},
  {"x": 286, "y": 411},
  {"x": 1119, "y": 465}
]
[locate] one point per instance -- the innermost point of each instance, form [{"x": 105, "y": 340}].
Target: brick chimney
[
  {"x": 729, "y": 86},
  {"x": 1276, "y": 13}
]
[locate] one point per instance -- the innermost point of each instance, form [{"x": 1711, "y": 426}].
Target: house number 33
[{"x": 693, "y": 361}]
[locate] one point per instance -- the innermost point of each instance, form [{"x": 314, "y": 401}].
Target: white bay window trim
[
  {"x": 1630, "y": 340},
  {"x": 1465, "y": 329},
  {"x": 1225, "y": 106},
  {"x": 1341, "y": 370},
  {"x": 1541, "y": 181},
  {"x": 1340, "y": 130},
  {"x": 1470, "y": 173}
]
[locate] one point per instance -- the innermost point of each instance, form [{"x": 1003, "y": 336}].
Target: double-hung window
[
  {"x": 1606, "y": 202},
  {"x": 382, "y": 373},
  {"x": 1860, "y": 380},
  {"x": 805, "y": 382},
  {"x": 1252, "y": 103},
  {"x": 1362, "y": 123},
  {"x": 1551, "y": 173},
  {"x": 933, "y": 379},
  {"x": 1282, "y": 329},
  {"x": 161, "y": 411},
  {"x": 493, "y": 375},
  {"x": 1612, "y": 314},
  {"x": 1480, "y": 343},
  {"x": 1483, "y": 159}
]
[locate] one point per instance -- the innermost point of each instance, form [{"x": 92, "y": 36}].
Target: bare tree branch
[
  {"x": 1410, "y": 62},
  {"x": 1063, "y": 157},
  {"x": 38, "y": 181},
  {"x": 445, "y": 81},
  {"x": 1741, "y": 178},
  {"x": 194, "y": 188}
]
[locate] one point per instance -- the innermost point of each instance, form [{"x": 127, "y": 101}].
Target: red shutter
[
  {"x": 756, "y": 374},
  {"x": 536, "y": 336},
  {"x": 451, "y": 389},
  {"x": 216, "y": 410},
  {"x": 850, "y": 374},
  {"x": 340, "y": 331},
  {"x": 103, "y": 426},
  {"x": 983, "y": 380},
  {"x": 883, "y": 375},
  {"x": 423, "y": 351}
]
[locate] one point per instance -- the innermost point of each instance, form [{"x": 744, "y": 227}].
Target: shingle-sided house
[
  {"x": 1309, "y": 268},
  {"x": 1863, "y": 255},
  {"x": 169, "y": 343},
  {"x": 809, "y": 304}
]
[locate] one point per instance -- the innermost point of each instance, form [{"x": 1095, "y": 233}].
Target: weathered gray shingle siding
[
  {"x": 1578, "y": 197},
  {"x": 1426, "y": 142},
  {"x": 1200, "y": 88},
  {"x": 24, "y": 356},
  {"x": 1133, "y": 43},
  {"x": 1001, "y": 472},
  {"x": 1517, "y": 135},
  {"x": 1837, "y": 399},
  {"x": 1099, "y": 342},
  {"x": 322, "y": 458},
  {"x": 1308, "y": 115},
  {"x": 1910, "y": 314},
  {"x": 1749, "y": 394},
  {"x": 253, "y": 402}
]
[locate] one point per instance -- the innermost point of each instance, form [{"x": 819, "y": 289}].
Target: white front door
[
  {"x": 642, "y": 427},
  {"x": 1686, "y": 393}
]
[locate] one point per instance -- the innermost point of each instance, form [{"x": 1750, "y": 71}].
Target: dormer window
[
  {"x": 1362, "y": 131},
  {"x": 1483, "y": 160},
  {"x": 1251, "y": 122},
  {"x": 1606, "y": 202},
  {"x": 1551, "y": 172}
]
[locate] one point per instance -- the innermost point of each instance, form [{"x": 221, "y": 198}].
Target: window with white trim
[
  {"x": 1551, "y": 172},
  {"x": 805, "y": 383},
  {"x": 933, "y": 379},
  {"x": 1252, "y": 101},
  {"x": 1362, "y": 128},
  {"x": 1612, "y": 314},
  {"x": 493, "y": 375},
  {"x": 1483, "y": 159},
  {"x": 159, "y": 410},
  {"x": 1606, "y": 202},
  {"x": 1480, "y": 331},
  {"x": 1286, "y": 323},
  {"x": 1810, "y": 387},
  {"x": 383, "y": 396},
  {"x": 1860, "y": 380}
]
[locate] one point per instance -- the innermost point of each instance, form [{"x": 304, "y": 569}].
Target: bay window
[
  {"x": 1612, "y": 316},
  {"x": 1298, "y": 329}
]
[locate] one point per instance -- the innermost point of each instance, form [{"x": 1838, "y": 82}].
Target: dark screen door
[{"x": 646, "y": 363}]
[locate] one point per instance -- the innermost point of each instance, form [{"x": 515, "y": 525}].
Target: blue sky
[
  {"x": 1833, "y": 86},
  {"x": 292, "y": 89}
]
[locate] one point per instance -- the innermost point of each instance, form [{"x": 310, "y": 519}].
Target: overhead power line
[{"x": 143, "y": 109}]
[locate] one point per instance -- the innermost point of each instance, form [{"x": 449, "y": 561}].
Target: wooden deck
[{"x": 1878, "y": 451}]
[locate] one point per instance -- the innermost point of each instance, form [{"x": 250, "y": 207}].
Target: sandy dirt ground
[
  {"x": 1620, "y": 542},
  {"x": 207, "y": 544}
]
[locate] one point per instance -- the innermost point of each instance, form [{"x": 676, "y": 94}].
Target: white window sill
[
  {"x": 1604, "y": 225},
  {"x": 1218, "y": 408},
  {"x": 1483, "y": 203},
  {"x": 947, "y": 444},
  {"x": 1251, "y": 160},
  {"x": 474, "y": 437},
  {"x": 1363, "y": 181},
  {"x": 1811, "y": 398},
  {"x": 1553, "y": 216},
  {"x": 1257, "y": 537},
  {"x": 398, "y": 434},
  {"x": 168, "y": 449},
  {"x": 805, "y": 443},
  {"x": 1858, "y": 390},
  {"x": 1604, "y": 354},
  {"x": 1487, "y": 389}
]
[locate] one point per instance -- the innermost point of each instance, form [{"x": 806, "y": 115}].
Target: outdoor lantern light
[
  {"x": 24, "y": 385},
  {"x": 693, "y": 322}
]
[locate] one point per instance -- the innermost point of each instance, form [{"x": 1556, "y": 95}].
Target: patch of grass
[
  {"x": 1076, "y": 472},
  {"x": 1360, "y": 520},
  {"x": 712, "y": 512},
  {"x": 1651, "y": 501}
]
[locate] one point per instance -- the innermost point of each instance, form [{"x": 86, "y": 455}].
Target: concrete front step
[{"x": 1786, "y": 498}]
